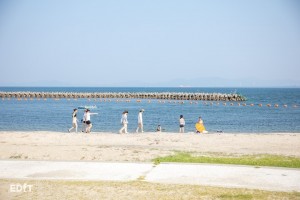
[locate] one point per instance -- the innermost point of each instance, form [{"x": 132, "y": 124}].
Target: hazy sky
[{"x": 150, "y": 43}]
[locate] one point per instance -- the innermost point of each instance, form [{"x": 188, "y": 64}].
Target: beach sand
[
  {"x": 140, "y": 147},
  {"x": 136, "y": 148}
]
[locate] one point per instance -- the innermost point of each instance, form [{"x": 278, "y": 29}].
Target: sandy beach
[
  {"x": 140, "y": 147},
  {"x": 111, "y": 147}
]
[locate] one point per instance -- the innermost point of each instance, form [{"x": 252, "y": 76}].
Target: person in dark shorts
[
  {"x": 181, "y": 124},
  {"x": 88, "y": 122}
]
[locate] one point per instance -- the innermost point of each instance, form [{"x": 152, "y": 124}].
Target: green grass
[{"x": 254, "y": 160}]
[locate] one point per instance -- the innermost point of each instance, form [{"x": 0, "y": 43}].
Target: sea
[{"x": 56, "y": 115}]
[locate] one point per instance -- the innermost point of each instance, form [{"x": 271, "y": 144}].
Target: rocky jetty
[{"x": 127, "y": 95}]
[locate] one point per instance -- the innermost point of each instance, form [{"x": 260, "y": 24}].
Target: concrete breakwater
[{"x": 127, "y": 95}]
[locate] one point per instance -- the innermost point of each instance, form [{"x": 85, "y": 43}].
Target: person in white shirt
[
  {"x": 181, "y": 124},
  {"x": 124, "y": 122},
  {"x": 74, "y": 121},
  {"x": 140, "y": 121},
  {"x": 83, "y": 122},
  {"x": 88, "y": 121}
]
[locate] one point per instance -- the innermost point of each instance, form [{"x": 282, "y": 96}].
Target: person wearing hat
[
  {"x": 124, "y": 122},
  {"x": 140, "y": 121}
]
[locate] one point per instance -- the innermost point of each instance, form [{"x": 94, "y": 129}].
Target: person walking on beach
[
  {"x": 74, "y": 121},
  {"x": 83, "y": 129},
  {"x": 88, "y": 121},
  {"x": 181, "y": 124},
  {"x": 124, "y": 122},
  {"x": 83, "y": 121},
  {"x": 140, "y": 121}
]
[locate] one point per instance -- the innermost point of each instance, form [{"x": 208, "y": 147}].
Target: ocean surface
[{"x": 56, "y": 115}]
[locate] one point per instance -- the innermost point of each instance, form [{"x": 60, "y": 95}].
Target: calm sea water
[{"x": 54, "y": 115}]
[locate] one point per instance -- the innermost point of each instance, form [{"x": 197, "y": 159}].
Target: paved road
[{"x": 264, "y": 178}]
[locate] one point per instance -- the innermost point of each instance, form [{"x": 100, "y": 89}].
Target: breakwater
[{"x": 127, "y": 95}]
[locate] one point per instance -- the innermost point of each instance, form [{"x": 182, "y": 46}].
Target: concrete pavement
[{"x": 264, "y": 178}]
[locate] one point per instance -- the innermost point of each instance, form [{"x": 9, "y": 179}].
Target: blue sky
[{"x": 150, "y": 43}]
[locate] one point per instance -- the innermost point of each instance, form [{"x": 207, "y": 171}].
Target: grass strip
[{"x": 254, "y": 160}]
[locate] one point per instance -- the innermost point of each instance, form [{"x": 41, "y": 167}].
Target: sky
[{"x": 133, "y": 43}]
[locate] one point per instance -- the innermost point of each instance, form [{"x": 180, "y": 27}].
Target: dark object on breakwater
[{"x": 128, "y": 95}]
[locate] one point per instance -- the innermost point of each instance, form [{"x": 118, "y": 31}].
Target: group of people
[
  {"x": 87, "y": 124},
  {"x": 124, "y": 122},
  {"x": 86, "y": 121},
  {"x": 199, "y": 126}
]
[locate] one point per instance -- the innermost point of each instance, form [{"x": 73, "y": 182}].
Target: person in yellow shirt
[{"x": 200, "y": 128}]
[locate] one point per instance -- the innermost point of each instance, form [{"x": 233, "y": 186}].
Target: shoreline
[
  {"x": 141, "y": 147},
  {"x": 149, "y": 132}
]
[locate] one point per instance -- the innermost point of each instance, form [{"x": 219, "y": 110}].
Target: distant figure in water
[
  {"x": 158, "y": 129},
  {"x": 140, "y": 121},
  {"x": 200, "y": 128},
  {"x": 74, "y": 121},
  {"x": 181, "y": 124}
]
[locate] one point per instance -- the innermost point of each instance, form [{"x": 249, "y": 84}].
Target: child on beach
[
  {"x": 124, "y": 122},
  {"x": 74, "y": 121},
  {"x": 200, "y": 128},
  {"x": 181, "y": 124}
]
